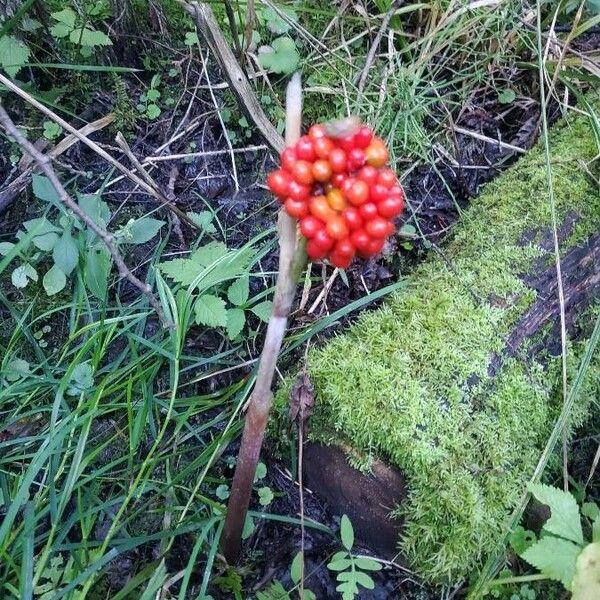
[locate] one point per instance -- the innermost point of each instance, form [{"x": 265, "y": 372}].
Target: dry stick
[
  {"x": 153, "y": 191},
  {"x": 45, "y": 164},
  {"x": 375, "y": 45},
  {"x": 238, "y": 82},
  {"x": 292, "y": 259}
]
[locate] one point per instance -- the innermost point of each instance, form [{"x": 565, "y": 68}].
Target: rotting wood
[{"x": 233, "y": 73}]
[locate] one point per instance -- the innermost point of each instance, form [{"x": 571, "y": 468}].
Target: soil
[{"x": 245, "y": 208}]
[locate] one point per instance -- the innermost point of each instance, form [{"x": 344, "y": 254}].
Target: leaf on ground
[
  {"x": 66, "y": 16},
  {"x": 564, "y": 520},
  {"x": 239, "y": 291},
  {"x": 89, "y": 37},
  {"x": 204, "y": 220},
  {"x": 236, "y": 319},
  {"x": 98, "y": 262},
  {"x": 347, "y": 532},
  {"x": 302, "y": 398},
  {"x": 143, "y": 230},
  {"x": 13, "y": 54},
  {"x": 554, "y": 557},
  {"x": 43, "y": 189},
  {"x": 263, "y": 310},
  {"x": 21, "y": 275},
  {"x": 54, "y": 280},
  {"x": 586, "y": 582},
  {"x": 66, "y": 253},
  {"x": 210, "y": 311},
  {"x": 280, "y": 57}
]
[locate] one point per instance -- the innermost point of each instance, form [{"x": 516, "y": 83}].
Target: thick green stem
[{"x": 292, "y": 259}]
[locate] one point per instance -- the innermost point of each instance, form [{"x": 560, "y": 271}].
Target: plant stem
[{"x": 292, "y": 260}]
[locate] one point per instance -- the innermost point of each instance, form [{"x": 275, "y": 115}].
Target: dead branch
[{"x": 45, "y": 164}]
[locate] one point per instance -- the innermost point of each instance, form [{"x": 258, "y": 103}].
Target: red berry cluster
[{"x": 341, "y": 191}]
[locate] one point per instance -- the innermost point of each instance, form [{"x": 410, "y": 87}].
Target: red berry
[
  {"x": 376, "y": 153},
  {"x": 397, "y": 191},
  {"x": 338, "y": 161},
  {"x": 387, "y": 177},
  {"x": 279, "y": 182},
  {"x": 338, "y": 180},
  {"x": 344, "y": 248},
  {"x": 305, "y": 149},
  {"x": 391, "y": 207},
  {"x": 363, "y": 137},
  {"x": 336, "y": 199},
  {"x": 321, "y": 170},
  {"x": 341, "y": 261},
  {"x": 356, "y": 158},
  {"x": 316, "y": 131},
  {"x": 352, "y": 217},
  {"x": 296, "y": 208},
  {"x": 358, "y": 192},
  {"x": 375, "y": 246},
  {"x": 336, "y": 227},
  {"x": 361, "y": 239},
  {"x": 315, "y": 251},
  {"x": 310, "y": 226},
  {"x": 298, "y": 191},
  {"x": 322, "y": 147},
  {"x": 368, "y": 174},
  {"x": 288, "y": 158},
  {"x": 346, "y": 144},
  {"x": 379, "y": 192},
  {"x": 319, "y": 207},
  {"x": 377, "y": 227},
  {"x": 302, "y": 172},
  {"x": 323, "y": 239},
  {"x": 368, "y": 210}
]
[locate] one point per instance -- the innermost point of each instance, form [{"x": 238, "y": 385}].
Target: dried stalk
[
  {"x": 292, "y": 260},
  {"x": 45, "y": 164}
]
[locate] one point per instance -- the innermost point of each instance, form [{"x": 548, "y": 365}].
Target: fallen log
[{"x": 441, "y": 401}]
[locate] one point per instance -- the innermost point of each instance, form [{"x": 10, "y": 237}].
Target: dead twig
[
  {"x": 45, "y": 164},
  {"x": 238, "y": 82}
]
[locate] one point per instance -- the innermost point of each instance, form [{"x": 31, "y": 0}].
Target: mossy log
[{"x": 455, "y": 382}]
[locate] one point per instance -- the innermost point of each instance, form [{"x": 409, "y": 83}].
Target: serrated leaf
[
  {"x": 210, "y": 311},
  {"x": 97, "y": 269},
  {"x": 54, "y": 280},
  {"x": 60, "y": 30},
  {"x": 209, "y": 254},
  {"x": 143, "y": 230},
  {"x": 153, "y": 111},
  {"x": 261, "y": 471},
  {"x": 89, "y": 37},
  {"x": 521, "y": 538},
  {"x": 265, "y": 495},
  {"x": 554, "y": 557},
  {"x": 204, "y": 220},
  {"x": 588, "y": 509},
  {"x": 280, "y": 57},
  {"x": 66, "y": 253},
  {"x": 21, "y": 275},
  {"x": 66, "y": 16},
  {"x": 346, "y": 532},
  {"x": 13, "y": 54},
  {"x": 236, "y": 319},
  {"x": 43, "y": 189},
  {"x": 239, "y": 291},
  {"x": 275, "y": 591},
  {"x": 564, "y": 520},
  {"x": 263, "y": 310}
]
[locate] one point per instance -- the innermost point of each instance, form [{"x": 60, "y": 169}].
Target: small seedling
[{"x": 148, "y": 104}]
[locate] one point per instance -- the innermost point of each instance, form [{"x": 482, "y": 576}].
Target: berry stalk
[{"x": 292, "y": 260}]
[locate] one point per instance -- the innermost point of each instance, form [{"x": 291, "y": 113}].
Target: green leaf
[
  {"x": 51, "y": 130},
  {"x": 191, "y": 38},
  {"x": 263, "y": 310},
  {"x": 60, "y": 30},
  {"x": 43, "y": 189},
  {"x": 153, "y": 111},
  {"x": 97, "y": 269},
  {"x": 143, "y": 230},
  {"x": 209, "y": 254},
  {"x": 521, "y": 538},
  {"x": 66, "y": 253},
  {"x": 66, "y": 16},
  {"x": 588, "y": 509},
  {"x": 203, "y": 220},
  {"x": 89, "y": 37},
  {"x": 296, "y": 568},
  {"x": 347, "y": 533},
  {"x": 16, "y": 369},
  {"x": 236, "y": 319},
  {"x": 265, "y": 495},
  {"x": 95, "y": 208},
  {"x": 239, "y": 291},
  {"x": 554, "y": 557},
  {"x": 210, "y": 311},
  {"x": 222, "y": 491},
  {"x": 339, "y": 564},
  {"x": 367, "y": 564},
  {"x": 564, "y": 520},
  {"x": 506, "y": 96},
  {"x": 21, "y": 275},
  {"x": 596, "y": 529},
  {"x": 248, "y": 527},
  {"x": 586, "y": 582},
  {"x": 275, "y": 591},
  {"x": 281, "y": 57},
  {"x": 54, "y": 280},
  {"x": 82, "y": 379},
  {"x": 261, "y": 471},
  {"x": 5, "y": 248},
  {"x": 277, "y": 24},
  {"x": 13, "y": 54}
]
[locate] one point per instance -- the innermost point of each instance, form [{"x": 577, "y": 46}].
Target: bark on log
[{"x": 455, "y": 383}]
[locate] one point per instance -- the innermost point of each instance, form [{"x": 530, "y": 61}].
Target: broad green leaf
[
  {"x": 248, "y": 527},
  {"x": 357, "y": 577},
  {"x": 54, "y": 280},
  {"x": 506, "y": 96},
  {"x": 209, "y": 254},
  {"x": 277, "y": 24},
  {"x": 588, "y": 509},
  {"x": 153, "y": 111},
  {"x": 21, "y": 275},
  {"x": 564, "y": 520},
  {"x": 586, "y": 582},
  {"x": 143, "y": 230},
  {"x": 263, "y": 310},
  {"x": 82, "y": 379},
  {"x": 261, "y": 471},
  {"x": 60, "y": 30},
  {"x": 265, "y": 495},
  {"x": 222, "y": 491},
  {"x": 339, "y": 564},
  {"x": 296, "y": 568},
  {"x": 521, "y": 538},
  {"x": 367, "y": 564},
  {"x": 16, "y": 369},
  {"x": 95, "y": 208},
  {"x": 346, "y": 532},
  {"x": 97, "y": 269},
  {"x": 236, "y": 319},
  {"x": 239, "y": 291},
  {"x": 13, "y": 54},
  {"x": 46, "y": 234},
  {"x": 66, "y": 253},
  {"x": 554, "y": 557},
  {"x": 66, "y": 16},
  {"x": 204, "y": 220},
  {"x": 43, "y": 189},
  {"x": 191, "y": 38},
  {"x": 89, "y": 37},
  {"x": 281, "y": 57},
  {"x": 5, "y": 248},
  {"x": 210, "y": 310}
]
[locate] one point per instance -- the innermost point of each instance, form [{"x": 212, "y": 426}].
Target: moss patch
[{"x": 409, "y": 382}]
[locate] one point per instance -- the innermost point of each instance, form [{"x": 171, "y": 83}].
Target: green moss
[{"x": 409, "y": 382}]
